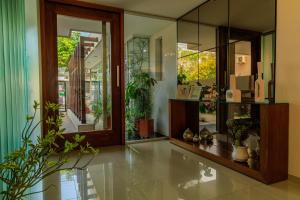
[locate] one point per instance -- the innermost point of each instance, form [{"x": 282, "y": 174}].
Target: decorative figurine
[
  {"x": 259, "y": 85},
  {"x": 206, "y": 136},
  {"x": 188, "y": 135},
  {"x": 196, "y": 138},
  {"x": 233, "y": 94}
]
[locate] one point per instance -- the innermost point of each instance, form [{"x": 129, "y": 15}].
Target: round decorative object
[
  {"x": 251, "y": 162},
  {"x": 240, "y": 153},
  {"x": 188, "y": 135},
  {"x": 196, "y": 138},
  {"x": 206, "y": 136}
]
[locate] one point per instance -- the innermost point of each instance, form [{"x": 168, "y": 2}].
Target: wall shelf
[{"x": 272, "y": 165}]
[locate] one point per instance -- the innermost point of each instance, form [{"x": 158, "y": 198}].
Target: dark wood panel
[
  {"x": 182, "y": 115},
  {"x": 49, "y": 9},
  {"x": 274, "y": 141},
  {"x": 272, "y": 165}
]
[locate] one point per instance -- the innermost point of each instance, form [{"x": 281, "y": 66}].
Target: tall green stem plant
[{"x": 34, "y": 161}]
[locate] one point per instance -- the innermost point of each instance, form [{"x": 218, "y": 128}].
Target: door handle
[{"x": 118, "y": 76}]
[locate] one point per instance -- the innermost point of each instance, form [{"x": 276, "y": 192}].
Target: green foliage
[
  {"x": 181, "y": 79},
  {"x": 32, "y": 162},
  {"x": 66, "y": 47},
  {"x": 138, "y": 95},
  {"x": 188, "y": 65},
  {"x": 138, "y": 53},
  {"x": 238, "y": 129},
  {"x": 97, "y": 108}
]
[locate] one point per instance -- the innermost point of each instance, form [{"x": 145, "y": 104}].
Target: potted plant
[
  {"x": 238, "y": 129},
  {"x": 138, "y": 100},
  {"x": 97, "y": 111}
]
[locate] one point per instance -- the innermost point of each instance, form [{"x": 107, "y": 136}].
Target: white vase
[
  {"x": 240, "y": 153},
  {"x": 233, "y": 94},
  {"x": 259, "y": 85}
]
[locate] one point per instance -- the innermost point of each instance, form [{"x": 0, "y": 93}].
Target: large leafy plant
[
  {"x": 138, "y": 94},
  {"x": 34, "y": 161}
]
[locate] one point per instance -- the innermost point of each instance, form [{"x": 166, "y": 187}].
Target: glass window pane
[{"x": 84, "y": 66}]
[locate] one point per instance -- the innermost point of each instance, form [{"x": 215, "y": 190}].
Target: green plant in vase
[
  {"x": 238, "y": 130},
  {"x": 97, "y": 110},
  {"x": 34, "y": 161},
  {"x": 138, "y": 101}
]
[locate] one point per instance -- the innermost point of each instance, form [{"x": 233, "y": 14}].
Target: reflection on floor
[
  {"x": 161, "y": 171},
  {"x": 136, "y": 137}
]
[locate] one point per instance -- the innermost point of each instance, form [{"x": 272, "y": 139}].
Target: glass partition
[
  {"x": 222, "y": 38},
  {"x": 84, "y": 74}
]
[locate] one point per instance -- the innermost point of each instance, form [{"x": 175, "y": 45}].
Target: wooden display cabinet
[{"x": 273, "y": 119}]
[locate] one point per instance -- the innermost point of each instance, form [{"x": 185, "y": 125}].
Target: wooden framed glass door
[{"x": 82, "y": 50}]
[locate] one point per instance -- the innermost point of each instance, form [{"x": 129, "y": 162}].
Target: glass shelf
[{"x": 252, "y": 102}]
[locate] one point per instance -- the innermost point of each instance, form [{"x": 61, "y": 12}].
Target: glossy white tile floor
[{"x": 161, "y": 171}]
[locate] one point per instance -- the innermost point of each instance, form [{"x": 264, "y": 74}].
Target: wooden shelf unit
[{"x": 274, "y": 118}]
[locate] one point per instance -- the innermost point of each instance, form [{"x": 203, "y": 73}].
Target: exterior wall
[
  {"x": 166, "y": 88},
  {"x": 288, "y": 73}
]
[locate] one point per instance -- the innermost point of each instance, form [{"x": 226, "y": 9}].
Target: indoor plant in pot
[
  {"x": 238, "y": 130},
  {"x": 138, "y": 93}
]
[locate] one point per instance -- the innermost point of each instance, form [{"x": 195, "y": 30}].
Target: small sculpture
[
  {"x": 259, "y": 85},
  {"x": 196, "y": 138},
  {"x": 206, "y": 136},
  {"x": 233, "y": 94},
  {"x": 188, "y": 135}
]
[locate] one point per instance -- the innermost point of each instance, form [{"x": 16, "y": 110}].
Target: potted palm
[
  {"x": 238, "y": 129},
  {"x": 138, "y": 94}
]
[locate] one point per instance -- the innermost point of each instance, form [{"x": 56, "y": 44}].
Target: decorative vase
[
  {"x": 240, "y": 153},
  {"x": 188, "y": 135},
  {"x": 146, "y": 128},
  {"x": 233, "y": 94},
  {"x": 259, "y": 85},
  {"x": 196, "y": 138},
  {"x": 206, "y": 136}
]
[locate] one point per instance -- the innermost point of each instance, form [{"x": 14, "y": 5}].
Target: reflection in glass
[{"x": 84, "y": 73}]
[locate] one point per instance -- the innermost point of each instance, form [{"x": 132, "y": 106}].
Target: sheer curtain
[{"x": 13, "y": 84}]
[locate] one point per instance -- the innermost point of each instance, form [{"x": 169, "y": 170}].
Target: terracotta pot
[
  {"x": 240, "y": 154},
  {"x": 146, "y": 127},
  {"x": 108, "y": 118}
]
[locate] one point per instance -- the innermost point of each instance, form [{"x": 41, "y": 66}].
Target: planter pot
[
  {"x": 146, "y": 127},
  {"x": 240, "y": 154},
  {"x": 108, "y": 118},
  {"x": 207, "y": 117}
]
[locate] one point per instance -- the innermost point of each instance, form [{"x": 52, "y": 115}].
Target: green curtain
[{"x": 13, "y": 84}]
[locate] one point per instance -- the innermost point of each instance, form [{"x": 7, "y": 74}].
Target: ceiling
[
  {"x": 66, "y": 24},
  {"x": 166, "y": 8},
  {"x": 143, "y": 26}
]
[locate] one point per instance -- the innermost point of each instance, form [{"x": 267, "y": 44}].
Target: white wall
[
  {"x": 288, "y": 73},
  {"x": 166, "y": 88},
  {"x": 33, "y": 66},
  {"x": 32, "y": 50}
]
